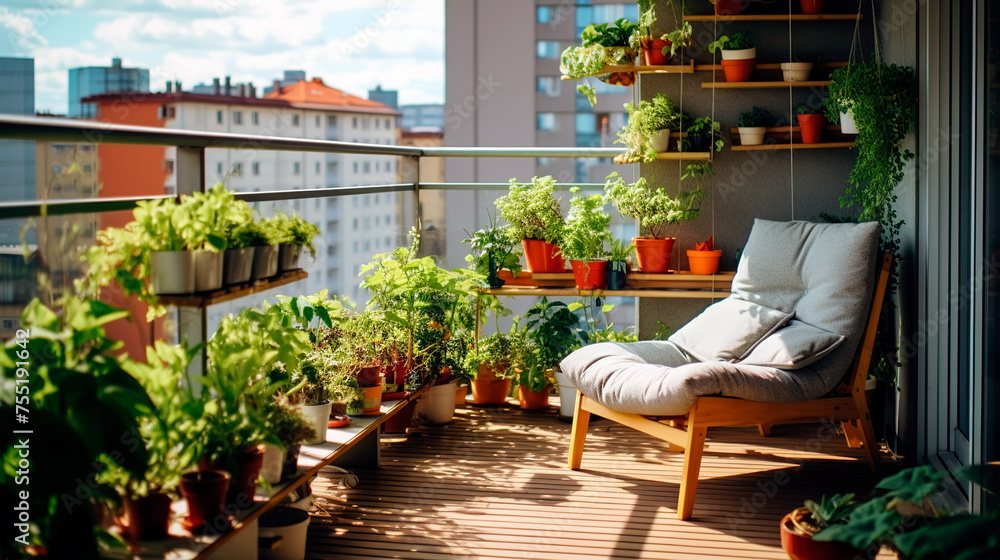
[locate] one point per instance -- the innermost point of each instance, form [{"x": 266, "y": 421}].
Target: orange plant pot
[
  {"x": 590, "y": 275},
  {"x": 704, "y": 262},
  {"x": 542, "y": 256},
  {"x": 803, "y": 547},
  {"x": 739, "y": 70},
  {"x": 812, "y": 127},
  {"x": 653, "y": 255},
  {"x": 487, "y": 388},
  {"x": 460, "y": 395},
  {"x": 523, "y": 278},
  {"x": 533, "y": 400},
  {"x": 652, "y": 51},
  {"x": 373, "y": 399}
]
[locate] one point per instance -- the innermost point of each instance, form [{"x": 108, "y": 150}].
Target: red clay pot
[
  {"x": 542, "y": 256},
  {"x": 533, "y": 400},
  {"x": 739, "y": 70},
  {"x": 487, "y": 389},
  {"x": 590, "y": 275},
  {"x": 148, "y": 517},
  {"x": 803, "y": 547},
  {"x": 730, "y": 7},
  {"x": 244, "y": 481},
  {"x": 704, "y": 262},
  {"x": 205, "y": 492},
  {"x": 652, "y": 51},
  {"x": 811, "y": 127},
  {"x": 397, "y": 423},
  {"x": 812, "y": 6},
  {"x": 653, "y": 255},
  {"x": 368, "y": 376}
]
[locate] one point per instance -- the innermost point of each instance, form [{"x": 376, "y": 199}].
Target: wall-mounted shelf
[
  {"x": 676, "y": 284},
  {"x": 788, "y": 137},
  {"x": 763, "y": 85},
  {"x": 575, "y": 292},
  {"x": 775, "y": 17},
  {"x": 685, "y": 156},
  {"x": 233, "y": 292}
]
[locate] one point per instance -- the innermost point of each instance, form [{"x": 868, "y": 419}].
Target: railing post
[
  {"x": 410, "y": 173},
  {"x": 192, "y": 322},
  {"x": 190, "y": 170}
]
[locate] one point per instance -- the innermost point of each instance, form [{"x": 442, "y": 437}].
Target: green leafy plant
[
  {"x": 653, "y": 207},
  {"x": 532, "y": 210},
  {"x": 550, "y": 327},
  {"x": 608, "y": 34},
  {"x": 586, "y": 229},
  {"x": 698, "y": 172},
  {"x": 755, "y": 117},
  {"x": 707, "y": 128},
  {"x": 295, "y": 230},
  {"x": 805, "y": 109},
  {"x": 662, "y": 332},
  {"x": 649, "y": 117},
  {"x": 493, "y": 251},
  {"x": 737, "y": 42},
  {"x": 620, "y": 254},
  {"x": 499, "y": 351}
]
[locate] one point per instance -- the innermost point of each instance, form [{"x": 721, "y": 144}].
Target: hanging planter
[
  {"x": 172, "y": 272},
  {"x": 739, "y": 57},
  {"x": 847, "y": 124}
]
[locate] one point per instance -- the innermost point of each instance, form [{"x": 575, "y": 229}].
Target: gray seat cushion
[{"x": 822, "y": 273}]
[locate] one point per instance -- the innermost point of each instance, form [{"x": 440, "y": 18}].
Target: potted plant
[
  {"x": 729, "y": 7},
  {"x": 655, "y": 210},
  {"x": 799, "y": 527},
  {"x": 584, "y": 236},
  {"x": 237, "y": 260},
  {"x": 799, "y": 69},
  {"x": 601, "y": 45},
  {"x": 812, "y": 123},
  {"x": 702, "y": 135},
  {"x": 492, "y": 360},
  {"x": 647, "y": 129},
  {"x": 263, "y": 237},
  {"x": 654, "y": 50},
  {"x": 292, "y": 430},
  {"x": 493, "y": 252},
  {"x": 752, "y": 126},
  {"x": 619, "y": 263},
  {"x": 704, "y": 258},
  {"x": 213, "y": 214},
  {"x": 550, "y": 330},
  {"x": 739, "y": 56},
  {"x": 292, "y": 234},
  {"x": 536, "y": 220}
]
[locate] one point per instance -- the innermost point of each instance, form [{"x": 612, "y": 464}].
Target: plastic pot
[
  {"x": 207, "y": 271},
  {"x": 265, "y": 262},
  {"x": 652, "y": 51},
  {"x": 237, "y": 264},
  {"x": 288, "y": 256},
  {"x": 616, "y": 278},
  {"x": 274, "y": 458},
  {"x": 243, "y": 485},
  {"x": 653, "y": 255},
  {"x": 487, "y": 389},
  {"x": 373, "y": 399},
  {"x": 730, "y": 7},
  {"x": 698, "y": 142},
  {"x": 148, "y": 517},
  {"x": 704, "y": 262},
  {"x": 291, "y": 525},
  {"x": 660, "y": 140},
  {"x": 590, "y": 275},
  {"x": 812, "y": 6},
  {"x": 318, "y": 416},
  {"x": 802, "y": 547},
  {"x": 740, "y": 54},
  {"x": 752, "y": 135},
  {"x": 172, "y": 272},
  {"x": 438, "y": 405},
  {"x": 739, "y": 70},
  {"x": 812, "y": 127},
  {"x": 205, "y": 493},
  {"x": 847, "y": 124},
  {"x": 533, "y": 400},
  {"x": 460, "y": 394},
  {"x": 542, "y": 256},
  {"x": 567, "y": 395},
  {"x": 796, "y": 71}
]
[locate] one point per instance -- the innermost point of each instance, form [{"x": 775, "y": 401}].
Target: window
[
  {"x": 86, "y": 168},
  {"x": 355, "y": 246},
  {"x": 367, "y": 222},
  {"x": 368, "y": 199},
  {"x": 317, "y": 168},
  {"x": 387, "y": 219},
  {"x": 368, "y": 246},
  {"x": 354, "y": 123},
  {"x": 317, "y": 121},
  {"x": 255, "y": 117},
  {"x": 376, "y": 123},
  {"x": 355, "y": 224},
  {"x": 331, "y": 120},
  {"x": 378, "y": 164},
  {"x": 600, "y": 13},
  {"x": 295, "y": 120},
  {"x": 547, "y": 121},
  {"x": 388, "y": 124},
  {"x": 255, "y": 168},
  {"x": 387, "y": 241},
  {"x": 368, "y": 168},
  {"x": 376, "y": 194},
  {"x": 238, "y": 169},
  {"x": 377, "y": 218},
  {"x": 168, "y": 165},
  {"x": 218, "y": 117},
  {"x": 296, "y": 168},
  {"x": 547, "y": 49},
  {"x": 237, "y": 117},
  {"x": 218, "y": 168},
  {"x": 549, "y": 85},
  {"x": 543, "y": 14}
]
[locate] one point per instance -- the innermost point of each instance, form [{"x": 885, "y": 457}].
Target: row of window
[
  {"x": 366, "y": 199},
  {"x": 366, "y": 167},
  {"x": 585, "y": 14},
  {"x": 366, "y": 221},
  {"x": 331, "y": 120},
  {"x": 368, "y": 247},
  {"x": 331, "y": 167}
]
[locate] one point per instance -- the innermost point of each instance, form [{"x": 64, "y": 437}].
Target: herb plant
[
  {"x": 649, "y": 117},
  {"x": 532, "y": 210},
  {"x": 586, "y": 229},
  {"x": 755, "y": 117},
  {"x": 654, "y": 208},
  {"x": 295, "y": 230},
  {"x": 619, "y": 254},
  {"x": 492, "y": 251},
  {"x": 707, "y": 128},
  {"x": 737, "y": 42},
  {"x": 550, "y": 327}
]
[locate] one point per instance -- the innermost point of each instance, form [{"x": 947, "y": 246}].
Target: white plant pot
[
  {"x": 796, "y": 71},
  {"x": 172, "y": 272},
  {"x": 289, "y": 523},
  {"x": 207, "y": 271},
  {"x": 265, "y": 261},
  {"x": 318, "y": 416},
  {"x": 288, "y": 257},
  {"x": 739, "y": 54},
  {"x": 274, "y": 456},
  {"x": 660, "y": 140},
  {"x": 847, "y": 124},
  {"x": 567, "y": 394},
  {"x": 437, "y": 406},
  {"x": 237, "y": 264},
  {"x": 752, "y": 135}
]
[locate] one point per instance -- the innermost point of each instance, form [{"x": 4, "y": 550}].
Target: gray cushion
[
  {"x": 822, "y": 273},
  {"x": 793, "y": 347},
  {"x": 728, "y": 330}
]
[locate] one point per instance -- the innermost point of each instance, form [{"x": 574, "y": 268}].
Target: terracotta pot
[
  {"x": 397, "y": 423},
  {"x": 652, "y": 51},
  {"x": 590, "y": 275},
  {"x": 205, "y": 492},
  {"x": 653, "y": 255},
  {"x": 523, "y": 278},
  {"x": 460, "y": 395},
  {"x": 244, "y": 481},
  {"x": 803, "y": 547},
  {"x": 533, "y": 400},
  {"x": 812, "y": 6},
  {"x": 373, "y": 399},
  {"x": 542, "y": 256},
  {"x": 730, "y": 7},
  {"x": 812, "y": 127},
  {"x": 338, "y": 409},
  {"x": 740, "y": 70},
  {"x": 704, "y": 262},
  {"x": 369, "y": 376},
  {"x": 291, "y": 463},
  {"x": 148, "y": 517},
  {"x": 487, "y": 389}
]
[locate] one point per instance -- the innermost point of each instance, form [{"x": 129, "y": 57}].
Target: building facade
[
  {"x": 17, "y": 158},
  {"x": 95, "y": 80},
  {"x": 423, "y": 118}
]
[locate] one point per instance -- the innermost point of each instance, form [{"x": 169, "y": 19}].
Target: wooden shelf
[
  {"x": 789, "y": 137},
  {"x": 685, "y": 156},
  {"x": 773, "y": 66},
  {"x": 574, "y": 292},
  {"x": 775, "y": 17},
  {"x": 798, "y": 146},
  {"x": 763, "y": 85},
  {"x": 676, "y": 285},
  {"x": 233, "y": 292}
]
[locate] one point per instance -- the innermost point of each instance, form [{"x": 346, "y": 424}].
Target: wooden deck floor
[{"x": 494, "y": 484}]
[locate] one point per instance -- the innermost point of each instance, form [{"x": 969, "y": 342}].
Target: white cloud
[{"x": 19, "y": 34}]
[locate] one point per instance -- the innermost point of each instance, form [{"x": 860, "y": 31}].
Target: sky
[{"x": 352, "y": 45}]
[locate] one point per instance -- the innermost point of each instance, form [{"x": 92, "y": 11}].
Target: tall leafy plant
[
  {"x": 532, "y": 210},
  {"x": 586, "y": 231},
  {"x": 652, "y": 207}
]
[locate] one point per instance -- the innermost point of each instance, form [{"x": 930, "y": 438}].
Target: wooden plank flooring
[{"x": 494, "y": 484}]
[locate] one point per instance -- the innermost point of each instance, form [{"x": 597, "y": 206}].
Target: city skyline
[{"x": 398, "y": 45}]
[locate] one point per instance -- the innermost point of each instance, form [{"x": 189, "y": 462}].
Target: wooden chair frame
[{"x": 686, "y": 433}]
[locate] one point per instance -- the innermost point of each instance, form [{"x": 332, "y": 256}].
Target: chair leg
[
  {"x": 868, "y": 440},
  {"x": 692, "y": 466},
  {"x": 581, "y": 421},
  {"x": 765, "y": 429},
  {"x": 852, "y": 434}
]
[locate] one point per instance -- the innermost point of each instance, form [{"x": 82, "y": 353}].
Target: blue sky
[{"x": 353, "y": 45}]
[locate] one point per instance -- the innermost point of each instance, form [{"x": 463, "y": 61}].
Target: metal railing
[{"x": 190, "y": 164}]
